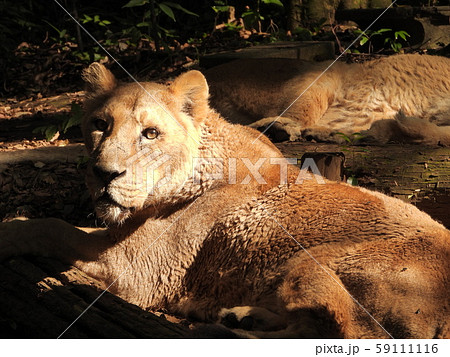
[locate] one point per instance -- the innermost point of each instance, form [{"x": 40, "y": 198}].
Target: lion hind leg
[
  {"x": 318, "y": 304},
  {"x": 408, "y": 129},
  {"x": 422, "y": 131}
]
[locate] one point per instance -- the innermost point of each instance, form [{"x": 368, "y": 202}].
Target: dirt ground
[{"x": 34, "y": 188}]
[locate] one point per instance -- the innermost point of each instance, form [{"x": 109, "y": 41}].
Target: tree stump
[{"x": 330, "y": 164}]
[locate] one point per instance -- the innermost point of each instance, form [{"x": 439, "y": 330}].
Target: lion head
[{"x": 141, "y": 139}]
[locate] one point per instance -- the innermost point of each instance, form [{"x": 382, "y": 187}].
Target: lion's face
[{"x": 141, "y": 140}]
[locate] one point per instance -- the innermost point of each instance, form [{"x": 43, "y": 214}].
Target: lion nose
[{"x": 105, "y": 175}]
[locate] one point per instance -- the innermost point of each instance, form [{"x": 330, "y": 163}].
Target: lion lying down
[
  {"x": 402, "y": 98},
  {"x": 205, "y": 224}
]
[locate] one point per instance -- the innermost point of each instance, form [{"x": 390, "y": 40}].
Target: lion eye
[
  {"x": 101, "y": 124},
  {"x": 151, "y": 133}
]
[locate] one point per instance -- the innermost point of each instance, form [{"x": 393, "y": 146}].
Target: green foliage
[
  {"x": 96, "y": 20},
  {"x": 350, "y": 140},
  {"x": 165, "y": 7},
  {"x": 395, "y": 43},
  {"x": 151, "y": 19},
  {"x": 62, "y": 34},
  {"x": 220, "y": 7},
  {"x": 368, "y": 36},
  {"x": 252, "y": 16},
  {"x": 16, "y": 20},
  {"x": 302, "y": 34},
  {"x": 52, "y": 131},
  {"x": 97, "y": 26},
  {"x": 272, "y": 2}
]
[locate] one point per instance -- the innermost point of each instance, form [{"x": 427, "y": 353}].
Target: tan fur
[
  {"x": 281, "y": 256},
  {"x": 347, "y": 98}
]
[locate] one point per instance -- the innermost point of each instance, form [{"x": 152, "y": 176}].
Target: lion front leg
[
  {"x": 302, "y": 113},
  {"x": 50, "y": 237},
  {"x": 279, "y": 129},
  {"x": 251, "y": 318}
]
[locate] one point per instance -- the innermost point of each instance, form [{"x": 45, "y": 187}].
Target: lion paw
[
  {"x": 279, "y": 129},
  {"x": 251, "y": 318}
]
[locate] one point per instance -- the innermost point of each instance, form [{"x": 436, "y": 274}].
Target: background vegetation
[{"x": 41, "y": 42}]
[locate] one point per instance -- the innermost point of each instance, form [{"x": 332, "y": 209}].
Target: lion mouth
[
  {"x": 106, "y": 199},
  {"x": 110, "y": 210}
]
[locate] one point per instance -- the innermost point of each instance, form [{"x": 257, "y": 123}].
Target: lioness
[
  {"x": 206, "y": 224},
  {"x": 344, "y": 98}
]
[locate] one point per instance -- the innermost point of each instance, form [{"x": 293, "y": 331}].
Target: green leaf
[
  {"x": 363, "y": 40},
  {"x": 275, "y": 2},
  {"x": 167, "y": 10},
  {"x": 98, "y": 57},
  {"x": 396, "y": 46},
  {"x": 86, "y": 19},
  {"x": 345, "y": 137},
  {"x": 402, "y": 35},
  {"x": 75, "y": 117},
  {"x": 134, "y": 3},
  {"x": 218, "y": 9},
  {"x": 50, "y": 132},
  {"x": 104, "y": 23},
  {"x": 352, "y": 180},
  {"x": 179, "y": 7},
  {"x": 384, "y": 30}
]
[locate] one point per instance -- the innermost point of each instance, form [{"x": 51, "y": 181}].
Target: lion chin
[{"x": 110, "y": 211}]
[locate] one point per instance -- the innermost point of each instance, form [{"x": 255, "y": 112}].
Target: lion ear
[
  {"x": 192, "y": 91},
  {"x": 98, "y": 79}
]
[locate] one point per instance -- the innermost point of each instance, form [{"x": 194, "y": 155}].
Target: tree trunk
[{"x": 294, "y": 10}]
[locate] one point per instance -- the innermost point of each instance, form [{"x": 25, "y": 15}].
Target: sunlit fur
[
  {"x": 315, "y": 101},
  {"x": 275, "y": 259}
]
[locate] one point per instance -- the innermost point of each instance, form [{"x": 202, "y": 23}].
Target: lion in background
[
  {"x": 402, "y": 98},
  {"x": 205, "y": 224}
]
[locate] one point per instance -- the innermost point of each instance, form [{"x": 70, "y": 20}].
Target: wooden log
[
  {"x": 41, "y": 298},
  {"x": 427, "y": 26},
  {"x": 300, "y": 50}
]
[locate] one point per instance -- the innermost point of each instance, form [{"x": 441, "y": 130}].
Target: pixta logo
[{"x": 149, "y": 170}]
